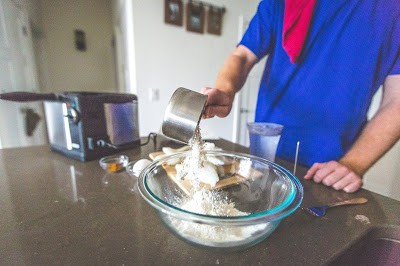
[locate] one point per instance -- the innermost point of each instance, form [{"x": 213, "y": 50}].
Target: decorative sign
[
  {"x": 173, "y": 12},
  {"x": 80, "y": 40},
  {"x": 195, "y": 17},
  {"x": 214, "y": 20}
]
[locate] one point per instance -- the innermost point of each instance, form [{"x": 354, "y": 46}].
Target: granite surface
[{"x": 56, "y": 210}]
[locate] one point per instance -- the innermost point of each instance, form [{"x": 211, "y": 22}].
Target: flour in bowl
[
  {"x": 196, "y": 167},
  {"x": 213, "y": 203},
  {"x": 200, "y": 169}
]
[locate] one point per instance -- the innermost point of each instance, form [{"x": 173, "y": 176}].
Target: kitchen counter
[{"x": 56, "y": 210}]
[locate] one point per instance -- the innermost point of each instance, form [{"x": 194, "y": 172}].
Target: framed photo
[
  {"x": 214, "y": 20},
  {"x": 173, "y": 12},
  {"x": 195, "y": 17}
]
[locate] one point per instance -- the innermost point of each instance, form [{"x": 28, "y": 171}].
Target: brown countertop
[{"x": 56, "y": 210}]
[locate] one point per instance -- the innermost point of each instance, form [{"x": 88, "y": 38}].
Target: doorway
[{"x": 18, "y": 72}]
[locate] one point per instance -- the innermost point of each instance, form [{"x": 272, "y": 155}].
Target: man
[{"x": 344, "y": 50}]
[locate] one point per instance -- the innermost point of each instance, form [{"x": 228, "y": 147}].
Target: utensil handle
[
  {"x": 349, "y": 202},
  {"x": 28, "y": 96}
]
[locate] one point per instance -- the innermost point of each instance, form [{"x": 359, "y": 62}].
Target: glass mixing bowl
[{"x": 258, "y": 192}]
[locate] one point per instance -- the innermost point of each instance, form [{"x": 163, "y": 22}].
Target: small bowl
[
  {"x": 264, "y": 194},
  {"x": 114, "y": 163}
]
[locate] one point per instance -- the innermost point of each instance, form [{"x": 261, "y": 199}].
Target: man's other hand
[{"x": 336, "y": 175}]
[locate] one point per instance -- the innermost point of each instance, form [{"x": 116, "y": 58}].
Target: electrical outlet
[{"x": 154, "y": 95}]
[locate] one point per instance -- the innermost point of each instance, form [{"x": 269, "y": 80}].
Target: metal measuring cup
[{"x": 183, "y": 114}]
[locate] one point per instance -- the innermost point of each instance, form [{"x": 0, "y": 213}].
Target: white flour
[
  {"x": 362, "y": 218},
  {"x": 215, "y": 204},
  {"x": 210, "y": 202},
  {"x": 195, "y": 167}
]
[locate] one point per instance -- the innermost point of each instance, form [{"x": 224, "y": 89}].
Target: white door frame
[
  {"x": 242, "y": 25},
  {"x": 245, "y": 101}
]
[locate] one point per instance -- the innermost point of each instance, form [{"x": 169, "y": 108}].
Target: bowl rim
[
  {"x": 277, "y": 213},
  {"x": 105, "y": 160}
]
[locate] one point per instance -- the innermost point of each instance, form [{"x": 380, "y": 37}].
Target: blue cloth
[{"x": 323, "y": 99}]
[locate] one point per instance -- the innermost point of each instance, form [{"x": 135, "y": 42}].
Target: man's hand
[
  {"x": 219, "y": 103},
  {"x": 336, "y": 175}
]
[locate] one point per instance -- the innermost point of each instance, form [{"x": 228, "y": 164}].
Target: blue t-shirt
[{"x": 323, "y": 99}]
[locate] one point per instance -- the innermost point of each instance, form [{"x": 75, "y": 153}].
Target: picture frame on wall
[
  {"x": 195, "y": 17},
  {"x": 214, "y": 20},
  {"x": 173, "y": 12}
]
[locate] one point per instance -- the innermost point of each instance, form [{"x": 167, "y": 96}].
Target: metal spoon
[{"x": 320, "y": 211}]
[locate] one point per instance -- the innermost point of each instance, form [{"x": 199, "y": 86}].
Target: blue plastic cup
[{"x": 264, "y": 139}]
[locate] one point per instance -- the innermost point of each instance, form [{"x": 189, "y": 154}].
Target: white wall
[
  {"x": 18, "y": 56},
  {"x": 384, "y": 176},
  {"x": 168, "y": 57},
  {"x": 68, "y": 68}
]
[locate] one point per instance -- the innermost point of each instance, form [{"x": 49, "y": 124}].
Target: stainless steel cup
[{"x": 183, "y": 114}]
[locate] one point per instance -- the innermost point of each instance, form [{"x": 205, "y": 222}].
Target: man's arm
[
  {"x": 378, "y": 136},
  {"x": 230, "y": 80}
]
